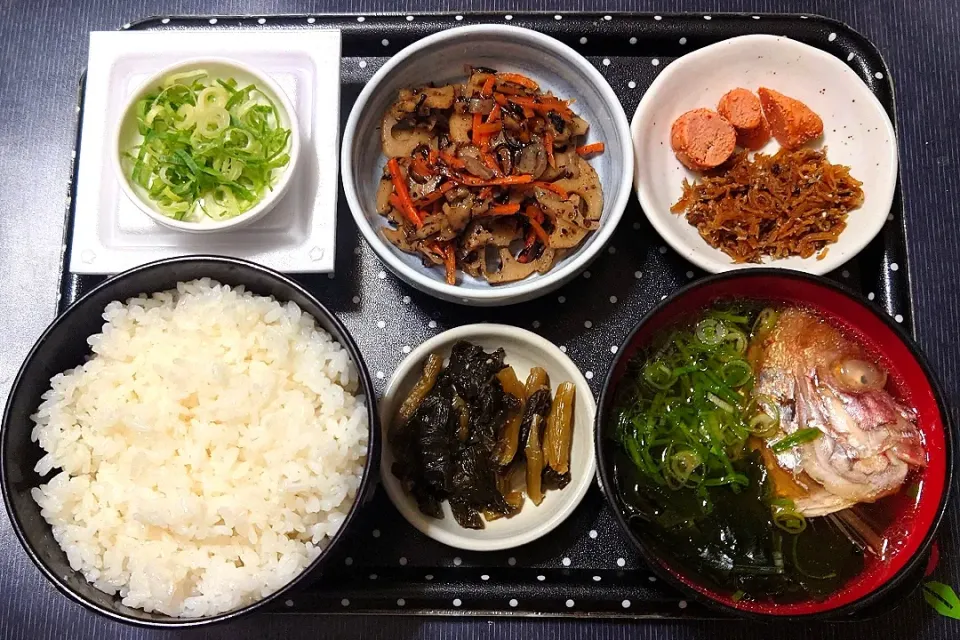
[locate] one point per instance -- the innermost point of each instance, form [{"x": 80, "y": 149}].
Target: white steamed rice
[{"x": 208, "y": 449}]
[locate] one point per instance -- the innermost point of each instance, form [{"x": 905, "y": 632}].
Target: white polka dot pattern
[{"x": 588, "y": 318}]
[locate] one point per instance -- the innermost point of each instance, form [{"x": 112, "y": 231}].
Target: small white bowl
[
  {"x": 857, "y": 132},
  {"x": 127, "y": 136},
  {"x": 524, "y": 350},
  {"x": 441, "y": 58}
]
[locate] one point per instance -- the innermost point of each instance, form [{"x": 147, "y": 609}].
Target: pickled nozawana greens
[{"x": 471, "y": 434}]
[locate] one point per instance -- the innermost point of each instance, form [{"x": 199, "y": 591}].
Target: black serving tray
[{"x": 585, "y": 568}]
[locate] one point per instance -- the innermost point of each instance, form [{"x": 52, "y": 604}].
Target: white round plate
[
  {"x": 524, "y": 350},
  {"x": 857, "y": 133}
]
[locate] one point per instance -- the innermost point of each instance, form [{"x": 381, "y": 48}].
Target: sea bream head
[{"x": 819, "y": 379}]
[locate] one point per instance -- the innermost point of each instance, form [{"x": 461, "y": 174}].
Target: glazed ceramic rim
[
  {"x": 513, "y": 292},
  {"x": 865, "y": 232},
  {"x": 573, "y": 494},
  {"x": 270, "y": 199},
  {"x": 367, "y": 480},
  {"x": 673, "y": 577}
]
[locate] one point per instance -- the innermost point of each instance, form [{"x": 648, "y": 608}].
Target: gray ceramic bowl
[{"x": 441, "y": 58}]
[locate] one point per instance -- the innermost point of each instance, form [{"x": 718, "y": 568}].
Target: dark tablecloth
[{"x": 43, "y": 47}]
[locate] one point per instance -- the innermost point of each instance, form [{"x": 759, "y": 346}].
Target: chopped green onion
[
  {"x": 658, "y": 375},
  {"x": 762, "y": 425},
  {"x": 800, "y": 436},
  {"x": 711, "y": 331},
  {"x": 736, "y": 373},
  {"x": 732, "y": 478},
  {"x": 765, "y": 322},
  {"x": 738, "y": 339},
  {"x": 786, "y": 516},
  {"x": 684, "y": 424},
  {"x": 766, "y": 416},
  {"x": 187, "y": 78},
  {"x": 682, "y": 465},
  {"x": 208, "y": 149},
  {"x": 726, "y": 406}
]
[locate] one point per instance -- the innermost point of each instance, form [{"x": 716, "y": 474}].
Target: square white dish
[{"x": 110, "y": 234}]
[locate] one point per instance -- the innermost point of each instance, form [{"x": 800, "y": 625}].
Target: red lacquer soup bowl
[{"x": 913, "y": 522}]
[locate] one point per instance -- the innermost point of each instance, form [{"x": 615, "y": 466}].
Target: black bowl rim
[
  {"x": 367, "y": 481},
  {"x": 604, "y": 471}
]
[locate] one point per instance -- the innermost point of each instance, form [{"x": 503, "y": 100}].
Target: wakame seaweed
[
  {"x": 728, "y": 539},
  {"x": 688, "y": 481}
]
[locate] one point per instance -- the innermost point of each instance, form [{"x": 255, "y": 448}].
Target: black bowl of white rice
[{"x": 187, "y": 442}]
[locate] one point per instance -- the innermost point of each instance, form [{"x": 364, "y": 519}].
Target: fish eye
[{"x": 859, "y": 375}]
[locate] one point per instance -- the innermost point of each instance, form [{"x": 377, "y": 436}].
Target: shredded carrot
[
  {"x": 491, "y": 162},
  {"x": 541, "y": 233},
  {"x": 396, "y": 203},
  {"x": 422, "y": 167},
  {"x": 524, "y": 101},
  {"x": 450, "y": 264},
  {"x": 487, "y": 129},
  {"x": 456, "y": 163},
  {"x": 486, "y": 192},
  {"x": 524, "y": 178},
  {"x": 432, "y": 157},
  {"x": 400, "y": 188},
  {"x": 535, "y": 218},
  {"x": 494, "y": 114},
  {"x": 531, "y": 238},
  {"x": 519, "y": 79},
  {"x": 436, "y": 195},
  {"x": 548, "y": 144},
  {"x": 505, "y": 209},
  {"x": 487, "y": 87},
  {"x": 550, "y": 186},
  {"x": 543, "y": 106},
  {"x": 501, "y": 99},
  {"x": 475, "y": 133},
  {"x": 511, "y": 91},
  {"x": 587, "y": 149}
]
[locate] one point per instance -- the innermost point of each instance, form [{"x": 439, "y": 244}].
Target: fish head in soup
[{"x": 821, "y": 381}]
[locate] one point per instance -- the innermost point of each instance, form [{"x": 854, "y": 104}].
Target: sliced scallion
[
  {"x": 209, "y": 148},
  {"x": 786, "y": 516},
  {"x": 686, "y": 425},
  {"x": 711, "y": 331},
  {"x": 800, "y": 436}
]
